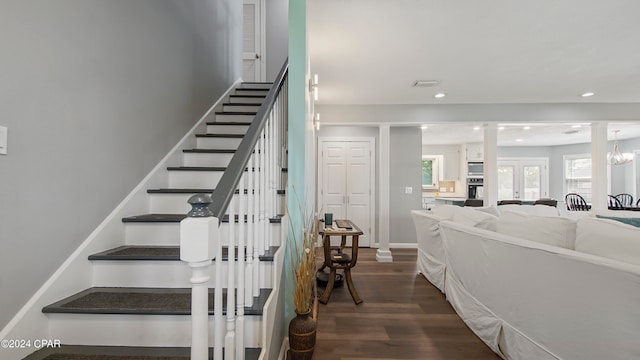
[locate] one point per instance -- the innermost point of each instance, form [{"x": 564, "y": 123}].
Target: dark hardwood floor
[{"x": 403, "y": 317}]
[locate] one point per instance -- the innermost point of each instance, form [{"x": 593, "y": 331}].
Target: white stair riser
[
  {"x": 251, "y": 92},
  {"x": 184, "y": 179},
  {"x": 241, "y": 108},
  {"x": 246, "y": 100},
  {"x": 218, "y": 143},
  {"x": 255, "y": 86},
  {"x": 234, "y": 118},
  {"x": 174, "y": 203},
  {"x": 171, "y": 274},
  {"x": 169, "y": 234},
  {"x": 227, "y": 129},
  {"x": 206, "y": 159},
  {"x": 136, "y": 330}
]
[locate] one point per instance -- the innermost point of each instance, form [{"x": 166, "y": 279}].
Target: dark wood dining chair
[
  {"x": 510, "y": 202},
  {"x": 625, "y": 199},
  {"x": 614, "y": 203},
  {"x": 473, "y": 203},
  {"x": 548, "y": 202},
  {"x": 575, "y": 202}
]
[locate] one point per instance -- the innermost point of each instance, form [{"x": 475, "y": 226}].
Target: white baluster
[
  {"x": 242, "y": 212},
  {"x": 248, "y": 299},
  {"x": 263, "y": 191},
  {"x": 218, "y": 310},
  {"x": 229, "y": 340},
  {"x": 256, "y": 225}
]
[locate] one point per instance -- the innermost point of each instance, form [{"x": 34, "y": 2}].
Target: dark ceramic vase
[{"x": 302, "y": 337}]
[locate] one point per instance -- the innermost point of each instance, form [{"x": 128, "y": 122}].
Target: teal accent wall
[{"x": 297, "y": 134}]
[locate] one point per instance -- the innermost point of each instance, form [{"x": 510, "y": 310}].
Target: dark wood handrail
[{"x": 228, "y": 184}]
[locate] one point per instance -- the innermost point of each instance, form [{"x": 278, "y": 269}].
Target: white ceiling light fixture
[
  {"x": 476, "y": 128},
  {"x": 501, "y": 128},
  {"x": 424, "y": 127},
  {"x": 426, "y": 83},
  {"x": 616, "y": 157},
  {"x": 587, "y": 94},
  {"x": 519, "y": 140},
  {"x": 439, "y": 95},
  {"x": 526, "y": 127}
]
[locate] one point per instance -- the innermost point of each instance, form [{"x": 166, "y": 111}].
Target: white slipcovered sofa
[{"x": 539, "y": 287}]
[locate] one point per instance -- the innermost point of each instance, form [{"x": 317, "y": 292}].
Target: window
[
  {"x": 430, "y": 171},
  {"x": 577, "y": 175}
]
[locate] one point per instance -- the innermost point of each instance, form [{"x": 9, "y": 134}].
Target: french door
[
  {"x": 523, "y": 179},
  {"x": 347, "y": 182}
]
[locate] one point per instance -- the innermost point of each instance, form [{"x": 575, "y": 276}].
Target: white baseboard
[{"x": 403, "y": 246}]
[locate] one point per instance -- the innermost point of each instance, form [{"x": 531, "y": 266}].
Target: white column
[
  {"x": 384, "y": 254},
  {"x": 490, "y": 184},
  {"x": 599, "y": 173}
]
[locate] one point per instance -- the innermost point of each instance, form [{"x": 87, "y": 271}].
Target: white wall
[
  {"x": 405, "y": 171},
  {"x": 94, "y": 94},
  {"x": 277, "y": 36}
]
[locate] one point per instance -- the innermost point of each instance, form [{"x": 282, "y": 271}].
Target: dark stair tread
[
  {"x": 236, "y": 112},
  {"x": 210, "y": 151},
  {"x": 176, "y": 218},
  {"x": 239, "y": 123},
  {"x": 142, "y": 301},
  {"x": 169, "y": 253},
  {"x": 84, "y": 352},
  {"x": 196, "y": 168},
  {"x": 248, "y": 95},
  {"x": 187, "y": 191},
  {"x": 241, "y": 104},
  {"x": 154, "y": 218},
  {"x": 180, "y": 191},
  {"x": 232, "y": 136},
  {"x": 256, "y": 82}
]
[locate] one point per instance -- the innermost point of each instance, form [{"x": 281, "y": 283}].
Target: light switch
[
  {"x": 3, "y": 140},
  {"x": 408, "y": 190}
]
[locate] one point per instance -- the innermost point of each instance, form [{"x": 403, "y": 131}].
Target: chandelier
[{"x": 616, "y": 157}]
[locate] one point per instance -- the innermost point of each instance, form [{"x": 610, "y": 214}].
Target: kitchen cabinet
[
  {"x": 451, "y": 160},
  {"x": 475, "y": 152}
]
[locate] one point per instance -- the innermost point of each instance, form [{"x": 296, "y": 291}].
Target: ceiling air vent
[
  {"x": 426, "y": 83},
  {"x": 569, "y": 132}
]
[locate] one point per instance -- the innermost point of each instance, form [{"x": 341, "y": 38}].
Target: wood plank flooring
[{"x": 403, "y": 317}]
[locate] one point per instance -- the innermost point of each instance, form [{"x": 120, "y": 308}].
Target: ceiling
[{"x": 479, "y": 52}]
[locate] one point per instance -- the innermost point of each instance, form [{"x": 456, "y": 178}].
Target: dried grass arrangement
[{"x": 303, "y": 261}]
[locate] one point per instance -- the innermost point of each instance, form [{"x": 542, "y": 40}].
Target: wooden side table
[{"x": 338, "y": 259}]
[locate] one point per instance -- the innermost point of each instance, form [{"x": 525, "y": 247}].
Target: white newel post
[{"x": 198, "y": 238}]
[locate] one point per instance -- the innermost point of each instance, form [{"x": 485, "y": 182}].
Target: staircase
[{"x": 139, "y": 304}]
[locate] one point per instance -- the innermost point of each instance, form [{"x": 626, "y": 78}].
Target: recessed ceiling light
[
  {"x": 476, "y": 128},
  {"x": 501, "y": 128},
  {"x": 424, "y": 127},
  {"x": 439, "y": 95},
  {"x": 587, "y": 94},
  {"x": 576, "y": 126},
  {"x": 519, "y": 140},
  {"x": 426, "y": 83},
  {"x": 527, "y": 127}
]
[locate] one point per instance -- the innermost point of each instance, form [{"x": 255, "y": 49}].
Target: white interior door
[
  {"x": 252, "y": 43},
  {"x": 347, "y": 183},
  {"x": 523, "y": 179}
]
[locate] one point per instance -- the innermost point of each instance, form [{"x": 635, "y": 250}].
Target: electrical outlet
[
  {"x": 3, "y": 140},
  {"x": 408, "y": 190}
]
